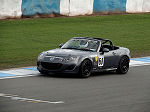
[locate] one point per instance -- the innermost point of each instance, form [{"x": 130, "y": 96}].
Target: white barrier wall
[
  {"x": 134, "y": 6},
  {"x": 10, "y": 8},
  {"x": 76, "y": 7},
  {"x": 146, "y": 6},
  {"x": 65, "y": 7},
  {"x": 81, "y": 7}
]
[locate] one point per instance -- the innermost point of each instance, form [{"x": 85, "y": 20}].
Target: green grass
[{"x": 22, "y": 40}]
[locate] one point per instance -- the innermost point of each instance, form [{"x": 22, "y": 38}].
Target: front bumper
[{"x": 58, "y": 67}]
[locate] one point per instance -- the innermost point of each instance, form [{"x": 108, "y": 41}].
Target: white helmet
[{"x": 83, "y": 43}]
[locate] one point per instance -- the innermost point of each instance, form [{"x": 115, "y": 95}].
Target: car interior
[{"x": 108, "y": 45}]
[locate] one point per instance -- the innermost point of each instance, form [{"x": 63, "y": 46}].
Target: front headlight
[
  {"x": 72, "y": 58},
  {"x": 41, "y": 56}
]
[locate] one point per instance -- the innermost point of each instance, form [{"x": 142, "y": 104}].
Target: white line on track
[{"x": 16, "y": 97}]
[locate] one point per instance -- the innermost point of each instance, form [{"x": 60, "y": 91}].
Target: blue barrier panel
[
  {"x": 109, "y": 5},
  {"x": 33, "y": 7}
]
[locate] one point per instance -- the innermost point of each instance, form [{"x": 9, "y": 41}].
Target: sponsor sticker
[
  {"x": 100, "y": 61},
  {"x": 96, "y": 58}
]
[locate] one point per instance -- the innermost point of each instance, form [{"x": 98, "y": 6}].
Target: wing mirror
[
  {"x": 105, "y": 50},
  {"x": 61, "y": 45}
]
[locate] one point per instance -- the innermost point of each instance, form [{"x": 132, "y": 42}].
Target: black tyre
[
  {"x": 85, "y": 68},
  {"x": 123, "y": 66}
]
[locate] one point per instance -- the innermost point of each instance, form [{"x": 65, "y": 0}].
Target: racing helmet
[{"x": 84, "y": 43}]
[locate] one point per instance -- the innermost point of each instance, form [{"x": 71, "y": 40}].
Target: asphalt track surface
[{"x": 102, "y": 92}]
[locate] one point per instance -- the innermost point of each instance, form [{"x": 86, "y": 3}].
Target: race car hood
[{"x": 67, "y": 52}]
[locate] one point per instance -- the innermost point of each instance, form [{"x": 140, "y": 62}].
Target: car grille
[{"x": 51, "y": 66}]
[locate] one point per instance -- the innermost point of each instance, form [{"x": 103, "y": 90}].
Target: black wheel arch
[
  {"x": 123, "y": 57},
  {"x": 126, "y": 57},
  {"x": 81, "y": 70},
  {"x": 87, "y": 59}
]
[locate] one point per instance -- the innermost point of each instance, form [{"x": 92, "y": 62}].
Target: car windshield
[{"x": 81, "y": 44}]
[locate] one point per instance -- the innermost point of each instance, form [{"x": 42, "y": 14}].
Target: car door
[
  {"x": 109, "y": 53},
  {"x": 110, "y": 59}
]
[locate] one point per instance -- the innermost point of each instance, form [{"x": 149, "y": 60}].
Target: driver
[{"x": 83, "y": 44}]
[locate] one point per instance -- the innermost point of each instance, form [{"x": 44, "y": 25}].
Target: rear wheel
[
  {"x": 85, "y": 68},
  {"x": 123, "y": 66}
]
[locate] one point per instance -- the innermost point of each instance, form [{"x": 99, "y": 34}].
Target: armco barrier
[{"x": 18, "y": 8}]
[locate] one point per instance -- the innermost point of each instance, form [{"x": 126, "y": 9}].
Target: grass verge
[{"x": 22, "y": 40}]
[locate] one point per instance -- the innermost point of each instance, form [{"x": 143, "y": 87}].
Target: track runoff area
[{"x": 32, "y": 71}]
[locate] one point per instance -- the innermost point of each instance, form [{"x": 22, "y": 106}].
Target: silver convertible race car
[{"x": 84, "y": 55}]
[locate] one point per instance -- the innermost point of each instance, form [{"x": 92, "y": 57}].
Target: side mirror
[
  {"x": 105, "y": 50},
  {"x": 61, "y": 45}
]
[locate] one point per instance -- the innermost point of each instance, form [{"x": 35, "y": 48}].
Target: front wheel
[
  {"x": 85, "y": 68},
  {"x": 123, "y": 66}
]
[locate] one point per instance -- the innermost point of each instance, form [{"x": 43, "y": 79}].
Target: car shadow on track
[{"x": 76, "y": 76}]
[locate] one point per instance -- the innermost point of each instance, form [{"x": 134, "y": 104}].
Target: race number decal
[{"x": 101, "y": 61}]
